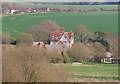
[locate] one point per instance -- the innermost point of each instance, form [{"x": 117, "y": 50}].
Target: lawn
[
  {"x": 103, "y": 21},
  {"x": 99, "y": 71}
]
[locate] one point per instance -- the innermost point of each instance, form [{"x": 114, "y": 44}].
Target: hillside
[{"x": 103, "y": 21}]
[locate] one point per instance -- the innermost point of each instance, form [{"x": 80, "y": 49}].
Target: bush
[
  {"x": 30, "y": 64},
  {"x": 56, "y": 57},
  {"x": 80, "y": 53},
  {"x": 66, "y": 58},
  {"x": 13, "y": 41},
  {"x": 25, "y": 39},
  {"x": 99, "y": 52}
]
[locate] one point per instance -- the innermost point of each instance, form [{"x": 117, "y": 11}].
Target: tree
[
  {"x": 99, "y": 52},
  {"x": 81, "y": 33},
  {"x": 6, "y": 38},
  {"x": 113, "y": 40},
  {"x": 25, "y": 39},
  {"x": 100, "y": 37},
  {"x": 42, "y": 31},
  {"x": 81, "y": 53}
]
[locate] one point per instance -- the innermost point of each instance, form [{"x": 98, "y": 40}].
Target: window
[{"x": 56, "y": 37}]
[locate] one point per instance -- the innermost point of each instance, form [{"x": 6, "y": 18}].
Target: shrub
[
  {"x": 13, "y": 41},
  {"x": 80, "y": 53},
  {"x": 56, "y": 57},
  {"x": 66, "y": 58},
  {"x": 99, "y": 52},
  {"x": 30, "y": 64},
  {"x": 25, "y": 39}
]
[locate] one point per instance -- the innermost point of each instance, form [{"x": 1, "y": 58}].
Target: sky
[{"x": 61, "y": 0}]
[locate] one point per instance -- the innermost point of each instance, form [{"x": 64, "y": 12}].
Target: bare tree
[
  {"x": 99, "y": 52},
  {"x": 113, "y": 40},
  {"x": 41, "y": 32},
  {"x": 30, "y": 64},
  {"x": 81, "y": 33},
  {"x": 81, "y": 53}
]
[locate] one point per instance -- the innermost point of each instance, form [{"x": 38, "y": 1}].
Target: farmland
[
  {"x": 103, "y": 21},
  {"x": 93, "y": 71},
  {"x": 82, "y": 7},
  {"x": 27, "y": 63}
]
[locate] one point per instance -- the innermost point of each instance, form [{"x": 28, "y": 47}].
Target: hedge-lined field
[{"x": 103, "y": 21}]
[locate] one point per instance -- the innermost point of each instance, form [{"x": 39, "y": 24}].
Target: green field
[
  {"x": 81, "y": 7},
  {"x": 95, "y": 71},
  {"x": 103, "y": 21}
]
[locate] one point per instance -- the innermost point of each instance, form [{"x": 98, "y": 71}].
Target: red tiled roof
[{"x": 55, "y": 36}]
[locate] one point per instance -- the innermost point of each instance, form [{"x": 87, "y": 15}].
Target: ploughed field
[{"x": 94, "y": 21}]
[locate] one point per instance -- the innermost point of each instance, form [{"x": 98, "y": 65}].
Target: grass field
[
  {"x": 81, "y": 7},
  {"x": 103, "y": 21},
  {"x": 94, "y": 71}
]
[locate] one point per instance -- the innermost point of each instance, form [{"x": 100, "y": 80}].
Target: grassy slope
[{"x": 103, "y": 21}]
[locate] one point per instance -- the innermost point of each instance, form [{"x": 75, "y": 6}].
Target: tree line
[{"x": 89, "y": 46}]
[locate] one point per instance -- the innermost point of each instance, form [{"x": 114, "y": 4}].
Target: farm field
[
  {"x": 94, "y": 71},
  {"x": 103, "y": 21},
  {"x": 82, "y": 7}
]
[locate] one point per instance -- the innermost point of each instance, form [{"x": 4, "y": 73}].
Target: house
[
  {"x": 45, "y": 9},
  {"x": 59, "y": 40},
  {"x": 63, "y": 38},
  {"x": 29, "y": 10}
]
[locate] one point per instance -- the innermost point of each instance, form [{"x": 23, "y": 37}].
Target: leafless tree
[
  {"x": 41, "y": 31},
  {"x": 113, "y": 40},
  {"x": 82, "y": 33}
]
